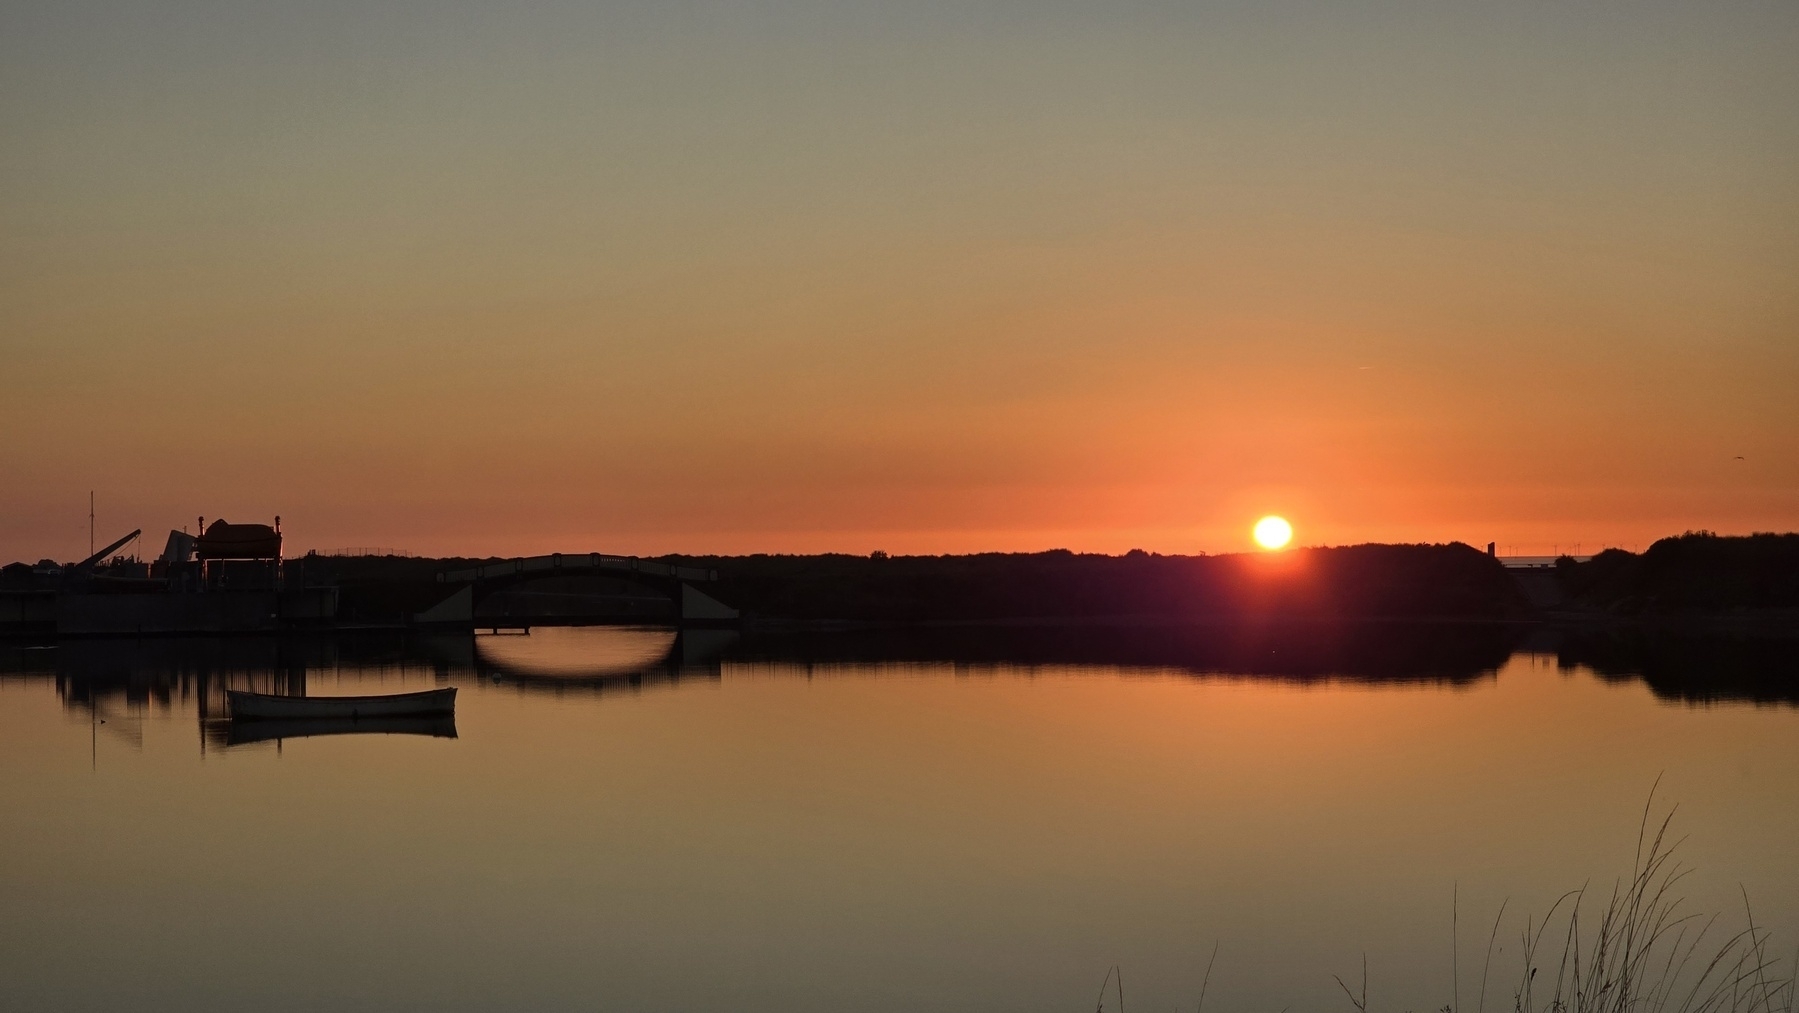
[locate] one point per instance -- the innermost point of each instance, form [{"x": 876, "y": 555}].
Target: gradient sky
[{"x": 796, "y": 276}]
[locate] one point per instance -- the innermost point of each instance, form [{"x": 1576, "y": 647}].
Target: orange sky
[{"x": 795, "y": 276}]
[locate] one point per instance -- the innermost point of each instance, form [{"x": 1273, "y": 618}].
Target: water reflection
[
  {"x": 836, "y": 820},
  {"x": 105, "y": 675},
  {"x": 114, "y": 682},
  {"x": 1440, "y": 653},
  {"x": 1690, "y": 667}
]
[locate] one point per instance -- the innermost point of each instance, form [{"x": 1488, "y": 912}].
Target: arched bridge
[{"x": 477, "y": 583}]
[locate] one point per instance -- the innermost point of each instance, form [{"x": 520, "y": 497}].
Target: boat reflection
[{"x": 239, "y": 733}]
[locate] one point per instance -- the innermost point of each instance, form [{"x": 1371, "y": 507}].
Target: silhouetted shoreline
[
  {"x": 1452, "y": 581},
  {"x": 1695, "y": 583},
  {"x": 1698, "y": 573}
]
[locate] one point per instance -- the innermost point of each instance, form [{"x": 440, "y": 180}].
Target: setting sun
[{"x": 1273, "y": 532}]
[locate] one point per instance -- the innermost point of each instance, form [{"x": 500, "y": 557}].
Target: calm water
[{"x": 627, "y": 821}]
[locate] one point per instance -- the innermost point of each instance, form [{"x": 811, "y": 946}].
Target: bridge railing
[{"x": 577, "y": 562}]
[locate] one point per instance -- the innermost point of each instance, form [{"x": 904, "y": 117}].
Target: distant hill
[{"x": 1694, "y": 572}]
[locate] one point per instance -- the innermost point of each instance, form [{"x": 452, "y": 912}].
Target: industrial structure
[{"x": 233, "y": 578}]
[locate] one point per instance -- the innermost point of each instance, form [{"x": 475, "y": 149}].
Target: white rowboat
[{"x": 264, "y": 706}]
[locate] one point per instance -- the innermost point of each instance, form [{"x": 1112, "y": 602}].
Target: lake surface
[{"x": 629, "y": 820}]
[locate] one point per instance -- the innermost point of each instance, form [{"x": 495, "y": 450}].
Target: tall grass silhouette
[
  {"x": 1646, "y": 953},
  {"x": 1640, "y": 951}
]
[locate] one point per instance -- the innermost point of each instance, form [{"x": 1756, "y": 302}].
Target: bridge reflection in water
[{"x": 587, "y": 658}]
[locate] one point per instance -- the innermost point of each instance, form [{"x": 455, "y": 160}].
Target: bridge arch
[{"x": 465, "y": 589}]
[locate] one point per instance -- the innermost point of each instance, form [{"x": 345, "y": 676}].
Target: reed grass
[
  {"x": 1641, "y": 951},
  {"x": 1647, "y": 953}
]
